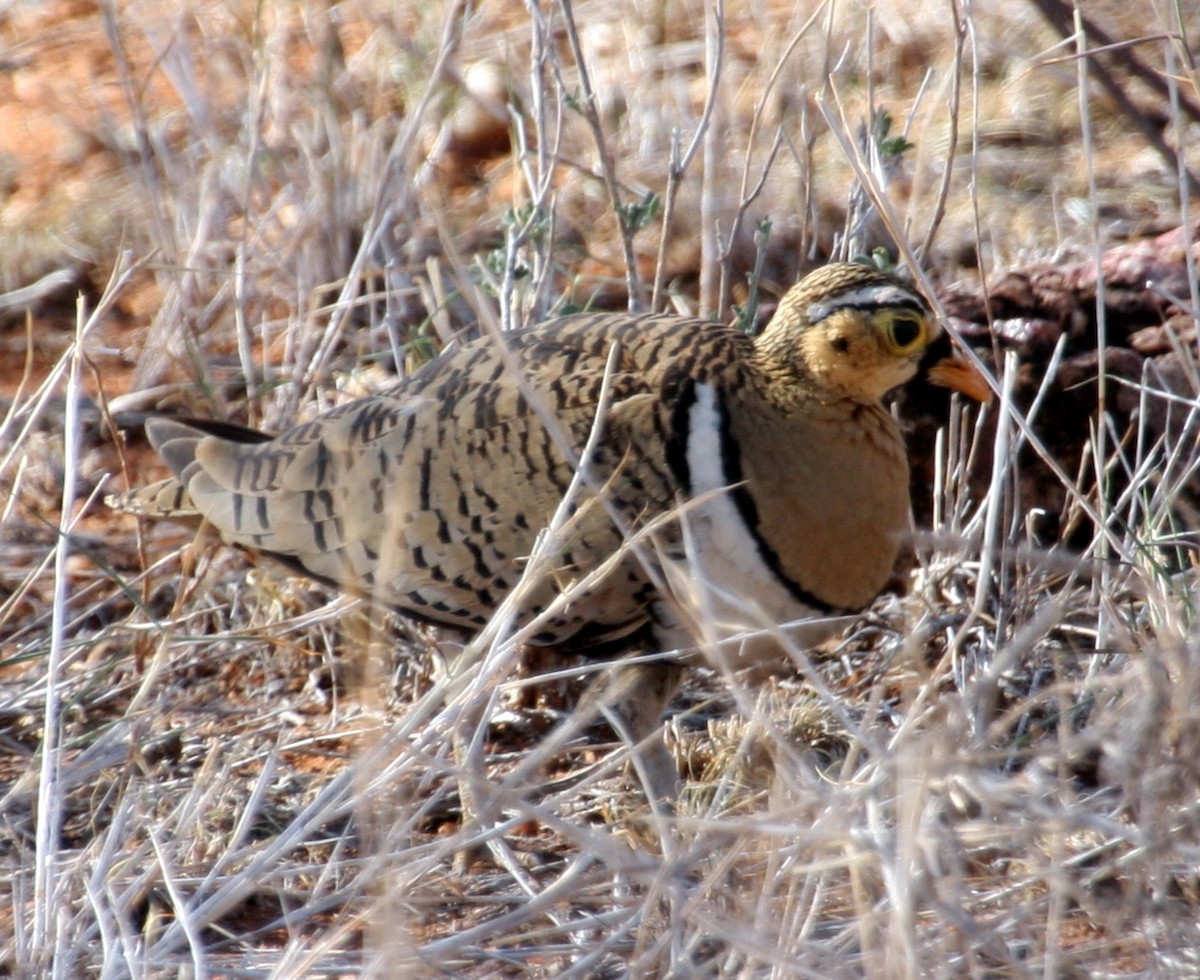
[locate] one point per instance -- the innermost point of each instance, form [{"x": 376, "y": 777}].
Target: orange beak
[{"x": 959, "y": 374}]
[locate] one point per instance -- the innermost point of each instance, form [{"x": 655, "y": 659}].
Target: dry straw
[{"x": 210, "y": 771}]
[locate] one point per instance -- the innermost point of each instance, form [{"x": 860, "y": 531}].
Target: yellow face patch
[{"x": 866, "y": 353}]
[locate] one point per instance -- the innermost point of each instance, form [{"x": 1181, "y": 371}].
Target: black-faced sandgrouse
[{"x": 732, "y": 483}]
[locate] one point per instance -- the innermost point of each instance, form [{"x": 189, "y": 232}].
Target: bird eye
[{"x": 905, "y": 331}]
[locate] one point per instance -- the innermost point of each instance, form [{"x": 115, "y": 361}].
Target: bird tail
[
  {"x": 164, "y": 500},
  {"x": 175, "y": 442}
]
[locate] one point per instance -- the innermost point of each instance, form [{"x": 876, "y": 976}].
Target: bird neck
[
  {"x": 787, "y": 383},
  {"x": 781, "y": 365}
]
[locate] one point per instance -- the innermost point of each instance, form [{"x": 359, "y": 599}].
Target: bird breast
[{"x": 818, "y": 503}]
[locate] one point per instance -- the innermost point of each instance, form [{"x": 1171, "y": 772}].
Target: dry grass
[{"x": 206, "y": 771}]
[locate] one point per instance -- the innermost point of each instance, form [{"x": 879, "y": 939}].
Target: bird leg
[{"x": 632, "y": 698}]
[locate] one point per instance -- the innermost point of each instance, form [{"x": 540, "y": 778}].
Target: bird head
[{"x": 851, "y": 331}]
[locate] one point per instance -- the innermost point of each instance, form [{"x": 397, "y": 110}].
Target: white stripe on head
[{"x": 875, "y": 295}]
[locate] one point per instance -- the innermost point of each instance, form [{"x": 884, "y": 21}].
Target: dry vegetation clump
[{"x": 213, "y": 769}]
